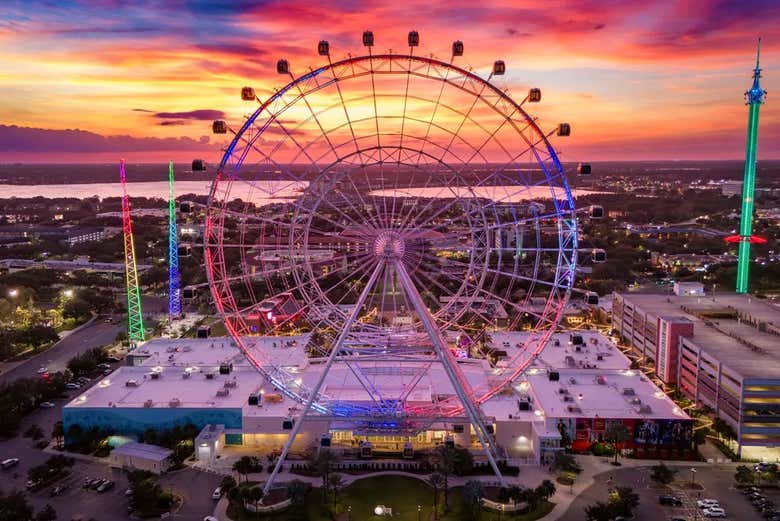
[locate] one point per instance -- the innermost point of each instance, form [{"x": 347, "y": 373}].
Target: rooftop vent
[
  {"x": 628, "y": 391},
  {"x": 185, "y": 374},
  {"x": 573, "y": 409},
  {"x": 568, "y": 398},
  {"x": 209, "y": 376},
  {"x": 569, "y": 360},
  {"x": 148, "y": 404},
  {"x": 174, "y": 403},
  {"x": 131, "y": 383},
  {"x": 644, "y": 409},
  {"x": 231, "y": 384},
  {"x": 223, "y": 392},
  {"x": 601, "y": 380},
  {"x": 636, "y": 400},
  {"x": 572, "y": 380},
  {"x": 563, "y": 390},
  {"x": 155, "y": 376}
]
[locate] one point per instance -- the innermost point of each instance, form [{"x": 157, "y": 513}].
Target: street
[{"x": 96, "y": 334}]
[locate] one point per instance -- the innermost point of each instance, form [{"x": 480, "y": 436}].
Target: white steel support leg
[
  {"x": 331, "y": 357},
  {"x": 442, "y": 351}
]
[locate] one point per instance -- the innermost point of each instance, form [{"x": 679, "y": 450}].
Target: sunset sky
[{"x": 95, "y": 80}]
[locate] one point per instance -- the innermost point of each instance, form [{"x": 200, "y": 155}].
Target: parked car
[
  {"x": 43, "y": 369},
  {"x": 714, "y": 512},
  {"x": 678, "y": 518},
  {"x": 210, "y": 518},
  {"x": 72, "y": 386},
  {"x": 96, "y": 483},
  {"x": 103, "y": 366},
  {"x": 670, "y": 501},
  {"x": 707, "y": 503},
  {"x": 105, "y": 486},
  {"x": 9, "y": 463},
  {"x": 87, "y": 482},
  {"x": 217, "y": 494},
  {"x": 765, "y": 466},
  {"x": 113, "y": 359},
  {"x": 47, "y": 405}
]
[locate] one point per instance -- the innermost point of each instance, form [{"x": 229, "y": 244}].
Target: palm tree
[
  {"x": 545, "y": 490},
  {"x": 336, "y": 481},
  {"x": 473, "y": 492},
  {"x": 514, "y": 493},
  {"x": 58, "y": 433},
  {"x": 227, "y": 484},
  {"x": 243, "y": 466},
  {"x": 255, "y": 495},
  {"x": 322, "y": 462},
  {"x": 617, "y": 434},
  {"x": 445, "y": 466},
  {"x": 436, "y": 481},
  {"x": 296, "y": 491}
]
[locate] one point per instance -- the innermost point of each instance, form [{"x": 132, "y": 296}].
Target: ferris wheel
[{"x": 383, "y": 213}]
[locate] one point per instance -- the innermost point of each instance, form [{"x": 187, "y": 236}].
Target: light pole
[
  {"x": 13, "y": 293},
  {"x": 419, "y": 512},
  {"x": 693, "y": 477},
  {"x": 349, "y": 513}
]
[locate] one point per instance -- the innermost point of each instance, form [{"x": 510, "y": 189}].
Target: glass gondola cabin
[
  {"x": 198, "y": 165},
  {"x": 596, "y": 212},
  {"x": 591, "y": 298},
  {"x": 598, "y": 255},
  {"x": 583, "y": 169},
  {"x": 248, "y": 94}
]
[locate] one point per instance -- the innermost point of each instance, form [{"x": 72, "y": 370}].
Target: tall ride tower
[
  {"x": 174, "y": 283},
  {"x": 754, "y": 99},
  {"x": 135, "y": 321}
]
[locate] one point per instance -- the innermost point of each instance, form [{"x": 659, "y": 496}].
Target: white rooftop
[{"x": 143, "y": 450}]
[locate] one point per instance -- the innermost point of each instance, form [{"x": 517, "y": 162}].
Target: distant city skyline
[{"x": 93, "y": 81}]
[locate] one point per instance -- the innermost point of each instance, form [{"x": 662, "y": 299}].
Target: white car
[
  {"x": 72, "y": 385},
  {"x": 714, "y": 512},
  {"x": 47, "y": 405},
  {"x": 210, "y": 518},
  {"x": 708, "y": 503},
  {"x": 217, "y": 494},
  {"x": 43, "y": 369}
]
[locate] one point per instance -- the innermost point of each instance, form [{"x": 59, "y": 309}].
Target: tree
[
  {"x": 227, "y": 484},
  {"x": 436, "y": 481},
  {"x": 336, "y": 482},
  {"x": 14, "y": 507},
  {"x": 255, "y": 495},
  {"x": 243, "y": 466},
  {"x": 599, "y": 512},
  {"x": 545, "y": 490},
  {"x": 445, "y": 466},
  {"x": 473, "y": 494},
  {"x": 47, "y": 513},
  {"x": 323, "y": 461},
  {"x": 34, "y": 431},
  {"x": 617, "y": 434},
  {"x": 565, "y": 463},
  {"x": 662, "y": 474},
  {"x": 625, "y": 501},
  {"x": 57, "y": 433},
  {"x": 296, "y": 491},
  {"x": 744, "y": 475}
]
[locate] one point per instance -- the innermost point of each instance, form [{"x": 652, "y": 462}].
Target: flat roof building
[
  {"x": 722, "y": 350},
  {"x": 210, "y": 384}
]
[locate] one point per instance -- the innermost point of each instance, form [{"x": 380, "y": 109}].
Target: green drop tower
[{"x": 754, "y": 98}]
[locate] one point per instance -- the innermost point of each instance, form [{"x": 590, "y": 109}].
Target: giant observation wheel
[{"x": 386, "y": 212}]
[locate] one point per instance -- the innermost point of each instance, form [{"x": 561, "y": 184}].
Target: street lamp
[
  {"x": 419, "y": 512},
  {"x": 68, "y": 293},
  {"x": 693, "y": 477},
  {"x": 13, "y": 292}
]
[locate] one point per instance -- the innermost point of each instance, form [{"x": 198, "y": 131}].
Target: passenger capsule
[
  {"x": 198, "y": 165},
  {"x": 368, "y": 38},
  {"x": 591, "y": 298},
  {"x": 219, "y": 127},
  {"x": 414, "y": 39},
  {"x": 282, "y": 67},
  {"x": 583, "y": 169},
  {"x": 596, "y": 212},
  {"x": 323, "y": 48},
  {"x": 564, "y": 129},
  {"x": 499, "y": 68},
  {"x": 457, "y": 48},
  {"x": 535, "y": 95},
  {"x": 248, "y": 94},
  {"x": 185, "y": 207},
  {"x": 185, "y": 250},
  {"x": 598, "y": 256}
]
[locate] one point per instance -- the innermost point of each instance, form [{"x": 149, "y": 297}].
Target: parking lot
[{"x": 717, "y": 483}]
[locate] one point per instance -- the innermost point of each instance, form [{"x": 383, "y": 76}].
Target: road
[
  {"x": 96, "y": 334},
  {"x": 718, "y": 483}
]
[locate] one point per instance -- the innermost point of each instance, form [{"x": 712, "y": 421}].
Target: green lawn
[{"x": 400, "y": 493}]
